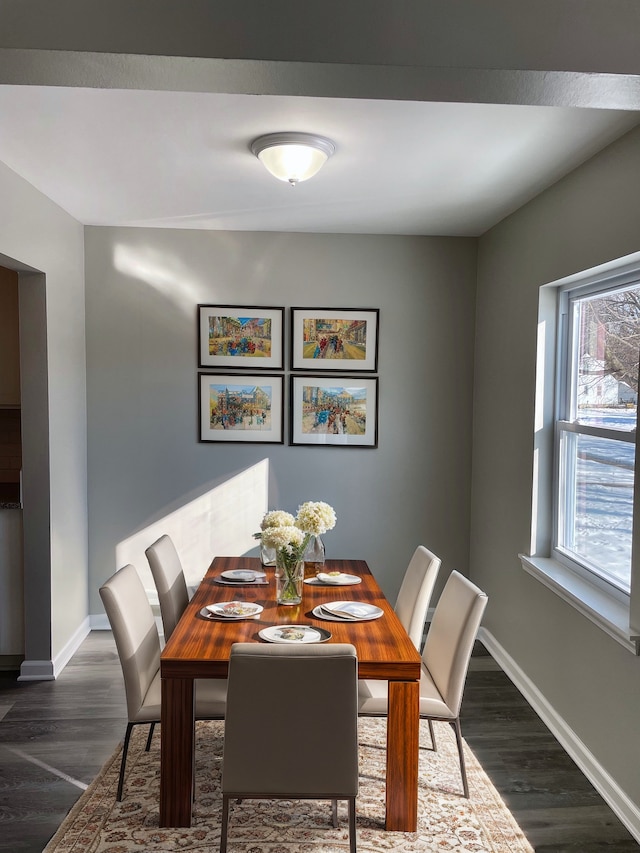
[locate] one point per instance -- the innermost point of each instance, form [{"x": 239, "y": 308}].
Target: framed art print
[
  {"x": 334, "y": 411},
  {"x": 344, "y": 339},
  {"x": 241, "y": 408},
  {"x": 240, "y": 337}
]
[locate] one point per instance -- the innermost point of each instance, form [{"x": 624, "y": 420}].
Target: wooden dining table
[{"x": 200, "y": 647}]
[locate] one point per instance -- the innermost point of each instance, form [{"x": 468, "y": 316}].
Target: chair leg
[
  {"x": 127, "y": 738},
  {"x": 455, "y": 724},
  {"x": 334, "y": 813},
  {"x": 432, "y": 734},
  {"x": 352, "y": 825},
  {"x": 151, "y": 728},
  {"x": 225, "y": 823}
]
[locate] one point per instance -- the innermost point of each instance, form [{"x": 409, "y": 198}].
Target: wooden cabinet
[
  {"x": 9, "y": 339},
  {"x": 10, "y": 455}
]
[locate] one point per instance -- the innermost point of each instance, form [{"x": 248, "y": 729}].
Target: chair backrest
[
  {"x": 413, "y": 599},
  {"x": 451, "y": 636},
  {"x": 291, "y": 721},
  {"x": 170, "y": 582},
  {"x": 134, "y": 630}
]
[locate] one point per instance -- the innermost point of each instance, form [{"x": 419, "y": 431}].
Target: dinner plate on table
[
  {"x": 232, "y": 610},
  {"x": 242, "y": 575},
  {"x": 294, "y": 634},
  {"x": 336, "y": 579},
  {"x": 347, "y": 611}
]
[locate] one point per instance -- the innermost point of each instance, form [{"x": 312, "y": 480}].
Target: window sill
[{"x": 609, "y": 614}]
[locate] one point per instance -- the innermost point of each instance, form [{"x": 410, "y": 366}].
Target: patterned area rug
[{"x": 446, "y": 820}]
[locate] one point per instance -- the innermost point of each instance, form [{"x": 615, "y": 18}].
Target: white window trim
[
  {"x": 604, "y": 610},
  {"x": 617, "y": 615}
]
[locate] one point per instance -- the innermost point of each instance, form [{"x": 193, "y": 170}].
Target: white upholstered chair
[
  {"x": 412, "y": 603},
  {"x": 168, "y": 576},
  {"x": 445, "y": 661},
  {"x": 414, "y": 597},
  {"x": 138, "y": 644},
  {"x": 280, "y": 696}
]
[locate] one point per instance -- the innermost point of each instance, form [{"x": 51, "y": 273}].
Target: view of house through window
[{"x": 595, "y": 450}]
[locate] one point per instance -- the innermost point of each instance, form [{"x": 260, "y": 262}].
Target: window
[
  {"x": 583, "y": 544},
  {"x": 595, "y": 428}
]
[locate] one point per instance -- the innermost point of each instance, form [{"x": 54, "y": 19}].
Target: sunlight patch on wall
[
  {"x": 221, "y": 522},
  {"x": 163, "y": 271}
]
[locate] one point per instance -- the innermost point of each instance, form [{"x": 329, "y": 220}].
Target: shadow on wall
[{"x": 220, "y": 522}]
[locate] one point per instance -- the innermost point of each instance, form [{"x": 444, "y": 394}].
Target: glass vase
[
  {"x": 314, "y": 557},
  {"x": 267, "y": 555},
  {"x": 289, "y": 579}
]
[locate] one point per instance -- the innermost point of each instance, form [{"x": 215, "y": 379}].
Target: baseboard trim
[
  {"x": 71, "y": 647},
  {"x": 49, "y": 670},
  {"x": 36, "y": 670},
  {"x": 626, "y": 810}
]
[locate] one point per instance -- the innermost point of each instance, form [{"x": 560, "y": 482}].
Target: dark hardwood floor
[
  {"x": 554, "y": 804},
  {"x": 55, "y": 736}
]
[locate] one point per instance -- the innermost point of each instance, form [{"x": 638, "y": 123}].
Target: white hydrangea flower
[
  {"x": 286, "y": 537},
  {"x": 277, "y": 518},
  {"x": 315, "y": 517}
]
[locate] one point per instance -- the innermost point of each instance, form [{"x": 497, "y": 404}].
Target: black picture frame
[
  {"x": 241, "y": 408},
  {"x": 340, "y": 339},
  {"x": 334, "y": 411},
  {"x": 240, "y": 337}
]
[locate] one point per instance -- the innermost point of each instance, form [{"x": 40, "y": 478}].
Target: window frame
[
  {"x": 615, "y": 613},
  {"x": 564, "y": 408}
]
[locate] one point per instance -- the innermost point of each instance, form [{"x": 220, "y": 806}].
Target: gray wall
[
  {"x": 144, "y": 460},
  {"x": 46, "y": 246},
  {"x": 592, "y": 682}
]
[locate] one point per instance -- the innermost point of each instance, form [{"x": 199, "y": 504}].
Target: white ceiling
[{"x": 182, "y": 160}]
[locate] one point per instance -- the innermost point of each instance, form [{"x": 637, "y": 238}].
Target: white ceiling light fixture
[{"x": 293, "y": 157}]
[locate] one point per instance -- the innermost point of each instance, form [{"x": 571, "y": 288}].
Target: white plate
[
  {"x": 303, "y": 634},
  {"x": 338, "y": 580},
  {"x": 246, "y": 575},
  {"x": 234, "y": 609},
  {"x": 254, "y": 582},
  {"x": 363, "y": 613}
]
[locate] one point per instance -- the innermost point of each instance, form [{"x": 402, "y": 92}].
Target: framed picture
[
  {"x": 343, "y": 339},
  {"x": 334, "y": 411},
  {"x": 241, "y": 408},
  {"x": 240, "y": 336}
]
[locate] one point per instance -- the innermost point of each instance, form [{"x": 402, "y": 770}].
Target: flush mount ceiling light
[{"x": 293, "y": 157}]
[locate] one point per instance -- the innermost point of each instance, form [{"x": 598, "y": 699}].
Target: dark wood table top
[{"x": 200, "y": 647}]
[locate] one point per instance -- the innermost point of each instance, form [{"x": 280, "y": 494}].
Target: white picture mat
[
  {"x": 239, "y": 381},
  {"x": 234, "y": 362},
  {"x": 366, "y": 439},
  {"x": 368, "y": 364}
]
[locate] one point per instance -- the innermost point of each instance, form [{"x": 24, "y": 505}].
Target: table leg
[
  {"x": 403, "y": 728},
  {"x": 176, "y": 752}
]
